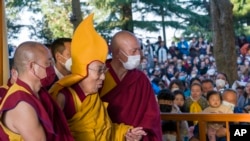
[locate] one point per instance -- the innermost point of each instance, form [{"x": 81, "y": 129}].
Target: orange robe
[{"x": 88, "y": 118}]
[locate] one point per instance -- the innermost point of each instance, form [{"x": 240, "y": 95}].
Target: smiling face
[
  {"x": 196, "y": 92},
  {"x": 94, "y": 80}
]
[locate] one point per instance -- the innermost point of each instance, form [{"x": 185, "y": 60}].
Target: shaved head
[
  {"x": 122, "y": 40},
  {"x": 28, "y": 52}
]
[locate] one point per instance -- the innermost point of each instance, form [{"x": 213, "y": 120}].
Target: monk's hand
[{"x": 135, "y": 134}]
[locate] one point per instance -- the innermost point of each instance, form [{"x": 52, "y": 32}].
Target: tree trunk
[
  {"x": 223, "y": 38},
  {"x": 76, "y": 17},
  {"x": 127, "y": 17}
]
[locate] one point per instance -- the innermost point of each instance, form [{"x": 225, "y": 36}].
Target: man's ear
[{"x": 31, "y": 66}]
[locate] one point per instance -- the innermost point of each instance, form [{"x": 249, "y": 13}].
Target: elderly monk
[
  {"x": 77, "y": 93},
  {"x": 27, "y": 111},
  {"x": 127, "y": 90}
]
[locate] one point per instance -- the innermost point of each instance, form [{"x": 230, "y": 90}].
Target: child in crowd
[
  {"x": 214, "y": 99},
  {"x": 179, "y": 100},
  {"x": 169, "y": 128}
]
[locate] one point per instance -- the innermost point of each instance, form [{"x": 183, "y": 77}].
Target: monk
[
  {"x": 77, "y": 93},
  {"x": 127, "y": 90},
  {"x": 4, "y": 88},
  {"x": 28, "y": 112}
]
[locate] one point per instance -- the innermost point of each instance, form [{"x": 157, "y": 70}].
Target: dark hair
[
  {"x": 179, "y": 92},
  {"x": 210, "y": 93},
  {"x": 156, "y": 80},
  {"x": 207, "y": 81},
  {"x": 165, "y": 94},
  {"x": 58, "y": 46},
  {"x": 222, "y": 74},
  {"x": 48, "y": 45},
  {"x": 195, "y": 78},
  {"x": 177, "y": 82},
  {"x": 240, "y": 87},
  {"x": 245, "y": 93}
]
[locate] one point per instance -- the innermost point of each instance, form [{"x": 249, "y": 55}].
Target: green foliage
[
  {"x": 53, "y": 22},
  {"x": 241, "y": 10},
  {"x": 191, "y": 17},
  {"x": 57, "y": 17}
]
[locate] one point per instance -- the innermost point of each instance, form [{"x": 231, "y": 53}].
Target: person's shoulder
[
  {"x": 188, "y": 100},
  {"x": 65, "y": 90},
  {"x": 203, "y": 99},
  {"x": 138, "y": 75},
  {"x": 225, "y": 109}
]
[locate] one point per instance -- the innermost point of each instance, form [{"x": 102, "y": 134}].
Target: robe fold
[
  {"x": 89, "y": 120},
  {"x": 132, "y": 101},
  {"x": 50, "y": 115}
]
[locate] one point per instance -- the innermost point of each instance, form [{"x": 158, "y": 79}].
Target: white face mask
[
  {"x": 230, "y": 105},
  {"x": 220, "y": 83},
  {"x": 193, "y": 75},
  {"x": 132, "y": 63},
  {"x": 174, "y": 89},
  {"x": 68, "y": 64}
]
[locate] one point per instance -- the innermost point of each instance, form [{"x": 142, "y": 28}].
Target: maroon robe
[
  {"x": 4, "y": 89},
  {"x": 69, "y": 110},
  {"x": 133, "y": 102},
  {"x": 50, "y": 115}
]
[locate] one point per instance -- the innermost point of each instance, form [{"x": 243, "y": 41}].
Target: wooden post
[{"x": 4, "y": 56}]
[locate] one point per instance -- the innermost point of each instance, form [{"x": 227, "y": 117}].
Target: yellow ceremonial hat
[{"x": 86, "y": 46}]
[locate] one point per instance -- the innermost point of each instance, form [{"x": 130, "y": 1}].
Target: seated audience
[
  {"x": 169, "y": 128},
  {"x": 179, "y": 100},
  {"x": 214, "y": 99},
  {"x": 195, "y": 103}
]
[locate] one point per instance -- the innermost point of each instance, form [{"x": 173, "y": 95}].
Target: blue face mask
[{"x": 182, "y": 78}]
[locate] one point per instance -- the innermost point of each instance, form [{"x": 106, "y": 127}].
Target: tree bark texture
[
  {"x": 127, "y": 17},
  {"x": 77, "y": 13},
  {"x": 223, "y": 38}
]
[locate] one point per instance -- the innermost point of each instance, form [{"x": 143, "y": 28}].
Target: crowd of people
[
  {"x": 69, "y": 90},
  {"x": 185, "y": 75}
]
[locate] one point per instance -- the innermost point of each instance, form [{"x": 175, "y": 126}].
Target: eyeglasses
[{"x": 100, "y": 71}]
